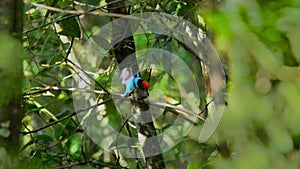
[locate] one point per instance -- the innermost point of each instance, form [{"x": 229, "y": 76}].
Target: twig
[
  {"x": 117, "y": 145},
  {"x": 49, "y": 23},
  {"x": 56, "y": 88},
  {"x": 69, "y": 49},
  {"x": 66, "y": 117},
  {"x": 67, "y": 17},
  {"x": 88, "y": 75},
  {"x": 86, "y": 163},
  {"x": 82, "y": 12},
  {"x": 119, "y": 96},
  {"x": 180, "y": 109}
]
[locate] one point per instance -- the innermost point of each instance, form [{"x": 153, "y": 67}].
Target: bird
[{"x": 135, "y": 82}]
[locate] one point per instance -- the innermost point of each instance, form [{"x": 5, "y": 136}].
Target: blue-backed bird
[{"x": 135, "y": 82}]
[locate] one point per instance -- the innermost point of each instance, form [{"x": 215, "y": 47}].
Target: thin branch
[
  {"x": 117, "y": 145},
  {"x": 116, "y": 15},
  {"x": 120, "y": 96},
  {"x": 181, "y": 116},
  {"x": 69, "y": 49},
  {"x": 66, "y": 117},
  {"x": 55, "y": 88},
  {"x": 180, "y": 109},
  {"x": 86, "y": 163},
  {"x": 49, "y": 23},
  {"x": 89, "y": 76},
  {"x": 67, "y": 17},
  {"x": 78, "y": 67},
  {"x": 82, "y": 146}
]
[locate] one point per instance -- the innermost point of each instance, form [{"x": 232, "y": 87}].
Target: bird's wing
[{"x": 126, "y": 75}]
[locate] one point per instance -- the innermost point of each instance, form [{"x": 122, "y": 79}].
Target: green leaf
[
  {"x": 26, "y": 145},
  {"x": 112, "y": 114},
  {"x": 44, "y": 110},
  {"x": 58, "y": 131},
  {"x": 74, "y": 147},
  {"x": 43, "y": 137},
  {"x": 193, "y": 166},
  {"x": 62, "y": 114},
  {"x": 70, "y": 27},
  {"x": 73, "y": 143}
]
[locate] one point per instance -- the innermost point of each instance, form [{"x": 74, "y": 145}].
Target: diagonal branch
[
  {"x": 173, "y": 109},
  {"x": 66, "y": 117},
  {"x": 74, "y": 12}
]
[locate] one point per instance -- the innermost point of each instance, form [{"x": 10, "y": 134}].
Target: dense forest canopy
[{"x": 220, "y": 90}]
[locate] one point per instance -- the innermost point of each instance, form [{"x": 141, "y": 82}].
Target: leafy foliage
[{"x": 257, "y": 42}]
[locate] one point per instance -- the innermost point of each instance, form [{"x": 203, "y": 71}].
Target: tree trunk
[
  {"x": 11, "y": 17},
  {"x": 145, "y": 128}
]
